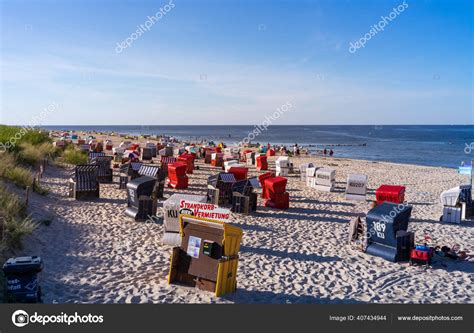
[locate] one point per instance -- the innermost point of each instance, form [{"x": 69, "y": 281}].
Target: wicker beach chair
[
  {"x": 83, "y": 184},
  {"x": 105, "y": 173},
  {"x": 128, "y": 171},
  {"x": 220, "y": 186},
  {"x": 93, "y": 155},
  {"x": 157, "y": 173},
  {"x": 244, "y": 199}
]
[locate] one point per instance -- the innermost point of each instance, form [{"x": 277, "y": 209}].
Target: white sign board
[{"x": 204, "y": 210}]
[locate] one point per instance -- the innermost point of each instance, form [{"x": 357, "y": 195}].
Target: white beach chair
[
  {"x": 311, "y": 176},
  {"x": 356, "y": 188},
  {"x": 125, "y": 144},
  {"x": 229, "y": 164},
  {"x": 171, "y": 209},
  {"x": 250, "y": 158},
  {"x": 325, "y": 179},
  {"x": 282, "y": 164},
  {"x": 454, "y": 207},
  {"x": 303, "y": 168}
]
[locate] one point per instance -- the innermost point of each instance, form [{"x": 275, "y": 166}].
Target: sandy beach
[{"x": 94, "y": 254}]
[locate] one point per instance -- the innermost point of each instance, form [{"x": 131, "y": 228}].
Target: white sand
[{"x": 94, "y": 254}]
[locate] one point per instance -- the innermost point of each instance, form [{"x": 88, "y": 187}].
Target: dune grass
[
  {"x": 12, "y": 137},
  {"x": 74, "y": 156},
  {"x": 34, "y": 154},
  {"x": 14, "y": 222},
  {"x": 29, "y": 149}
]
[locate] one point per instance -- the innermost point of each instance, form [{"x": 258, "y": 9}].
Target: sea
[{"x": 430, "y": 145}]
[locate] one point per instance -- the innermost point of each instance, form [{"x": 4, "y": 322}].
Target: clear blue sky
[{"x": 234, "y": 62}]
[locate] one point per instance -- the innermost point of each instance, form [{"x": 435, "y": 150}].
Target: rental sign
[{"x": 204, "y": 210}]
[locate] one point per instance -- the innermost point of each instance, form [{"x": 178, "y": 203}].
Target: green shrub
[
  {"x": 15, "y": 229},
  {"x": 11, "y": 137},
  {"x": 74, "y": 156}
]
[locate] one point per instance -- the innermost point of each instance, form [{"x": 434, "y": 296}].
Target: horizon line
[{"x": 235, "y": 125}]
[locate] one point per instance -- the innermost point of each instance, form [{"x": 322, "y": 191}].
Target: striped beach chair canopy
[
  {"x": 136, "y": 166},
  {"x": 149, "y": 170},
  {"x": 86, "y": 177},
  {"x": 168, "y": 159},
  {"x": 227, "y": 177},
  {"x": 94, "y": 155}
]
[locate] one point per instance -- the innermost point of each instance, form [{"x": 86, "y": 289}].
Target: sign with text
[{"x": 204, "y": 210}]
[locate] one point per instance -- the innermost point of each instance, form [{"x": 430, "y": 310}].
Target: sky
[{"x": 236, "y": 62}]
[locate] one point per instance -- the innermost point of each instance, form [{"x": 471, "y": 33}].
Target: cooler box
[
  {"x": 22, "y": 280},
  {"x": 421, "y": 256},
  {"x": 240, "y": 173},
  {"x": 390, "y": 193},
  {"x": 452, "y": 214}
]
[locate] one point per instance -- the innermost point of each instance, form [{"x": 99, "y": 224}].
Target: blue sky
[{"x": 234, "y": 62}]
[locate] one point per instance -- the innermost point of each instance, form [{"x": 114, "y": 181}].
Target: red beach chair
[
  {"x": 240, "y": 173},
  {"x": 177, "y": 175},
  {"x": 275, "y": 185},
  {"x": 262, "y": 163},
  {"x": 275, "y": 188},
  {"x": 262, "y": 178},
  {"x": 189, "y": 160},
  {"x": 390, "y": 193},
  {"x": 270, "y": 152}
]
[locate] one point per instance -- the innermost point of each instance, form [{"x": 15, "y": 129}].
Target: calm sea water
[{"x": 424, "y": 145}]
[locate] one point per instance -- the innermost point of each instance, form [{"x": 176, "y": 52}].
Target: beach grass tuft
[{"x": 74, "y": 156}]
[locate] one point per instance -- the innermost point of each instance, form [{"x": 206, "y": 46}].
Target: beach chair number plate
[{"x": 380, "y": 229}]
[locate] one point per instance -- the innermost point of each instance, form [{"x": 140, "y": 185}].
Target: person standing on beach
[{"x": 331, "y": 152}]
